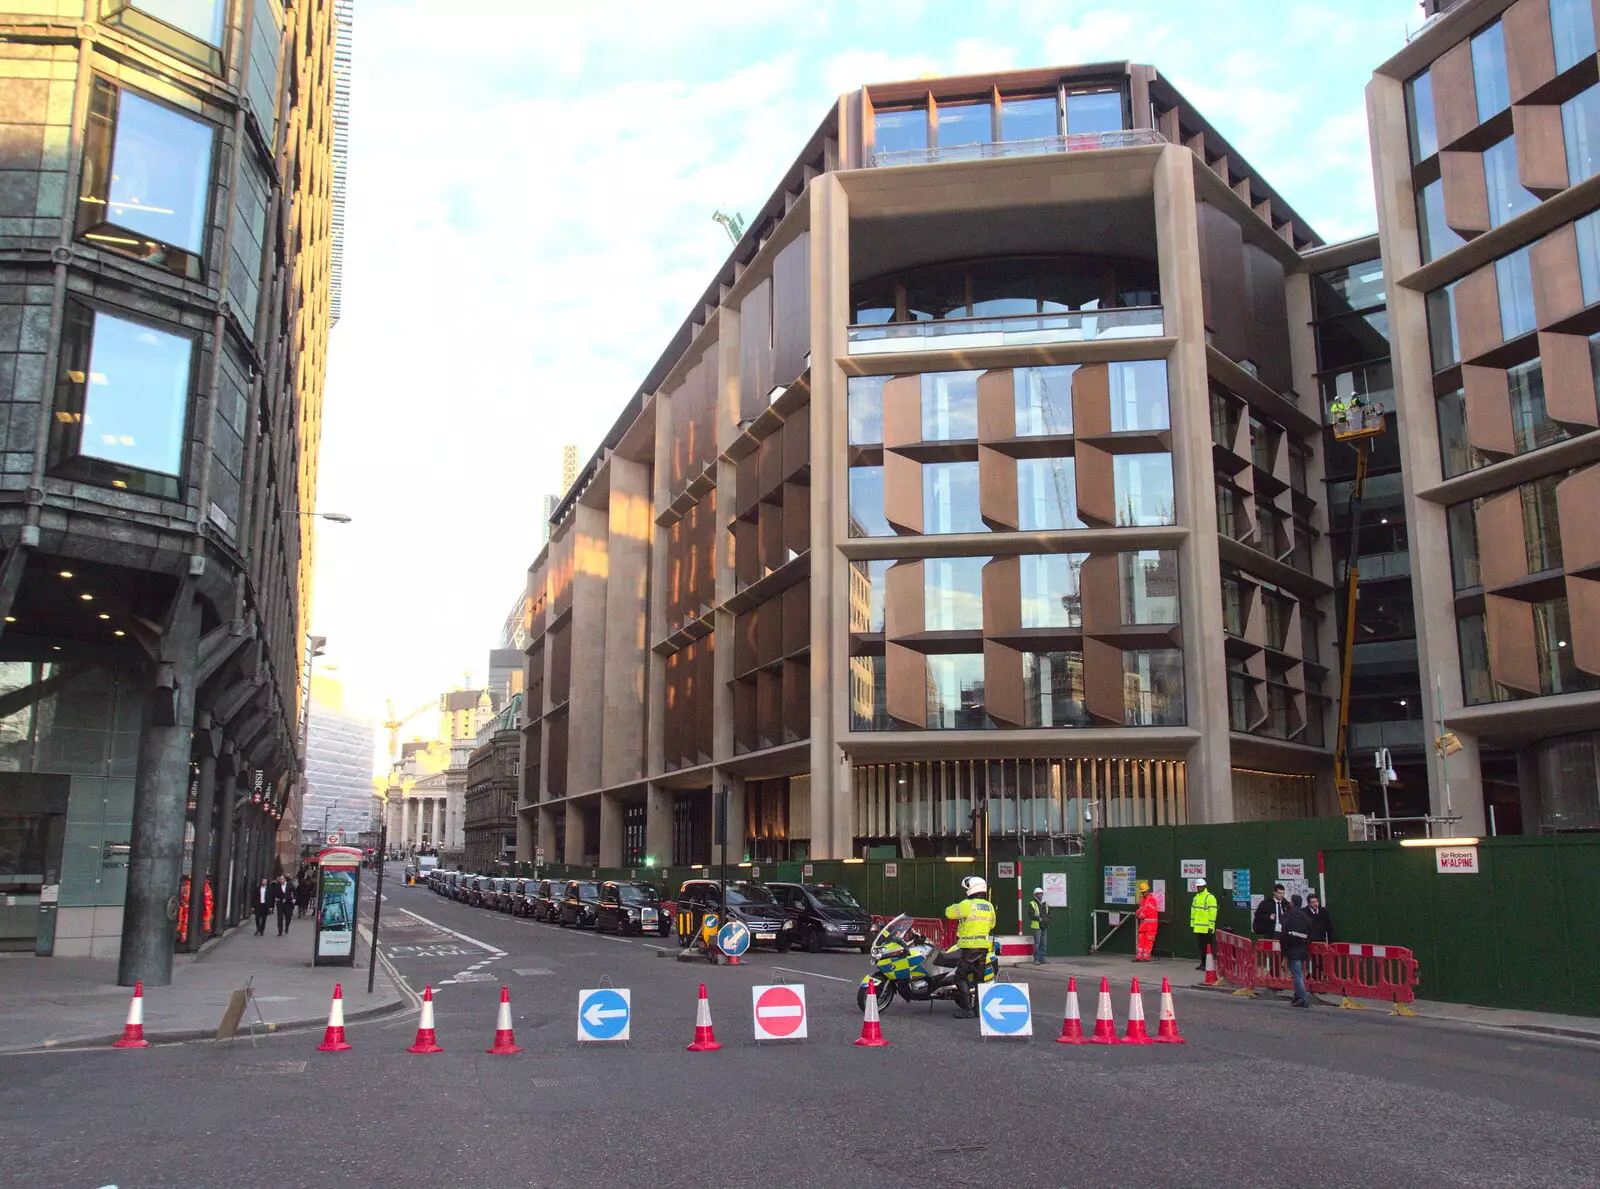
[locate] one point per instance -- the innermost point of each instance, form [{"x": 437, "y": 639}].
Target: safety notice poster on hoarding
[{"x": 1119, "y": 885}]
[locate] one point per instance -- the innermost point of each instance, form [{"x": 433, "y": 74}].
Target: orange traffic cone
[
  {"x": 871, "y": 1031},
  {"x": 133, "y": 1030},
  {"x": 1211, "y": 968},
  {"x": 705, "y": 1037},
  {"x": 1105, "y": 1028},
  {"x": 504, "y": 1041},
  {"x": 1135, "y": 1034},
  {"x": 1167, "y": 1028},
  {"x": 1071, "y": 1023},
  {"x": 426, "y": 1041},
  {"x": 333, "y": 1039}
]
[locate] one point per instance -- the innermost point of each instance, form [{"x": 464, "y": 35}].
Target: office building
[
  {"x": 491, "y": 796},
  {"x": 339, "y": 750}
]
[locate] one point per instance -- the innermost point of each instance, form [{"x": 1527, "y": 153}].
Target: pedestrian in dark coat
[
  {"x": 285, "y": 903},
  {"x": 262, "y": 903},
  {"x": 1296, "y": 941},
  {"x": 1321, "y": 922},
  {"x": 304, "y": 891}
]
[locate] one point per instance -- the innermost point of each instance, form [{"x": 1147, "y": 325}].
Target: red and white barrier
[{"x": 1348, "y": 969}]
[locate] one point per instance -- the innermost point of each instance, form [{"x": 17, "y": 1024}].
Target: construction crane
[
  {"x": 1356, "y": 423},
  {"x": 733, "y": 224},
  {"x": 394, "y": 724}
]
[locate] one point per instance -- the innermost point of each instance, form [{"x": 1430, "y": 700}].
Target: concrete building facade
[{"x": 491, "y": 796}]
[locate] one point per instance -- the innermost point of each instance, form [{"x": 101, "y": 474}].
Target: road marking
[
  {"x": 608, "y": 937},
  {"x": 482, "y": 945},
  {"x": 473, "y": 976},
  {"x": 665, "y": 949},
  {"x": 814, "y": 974}
]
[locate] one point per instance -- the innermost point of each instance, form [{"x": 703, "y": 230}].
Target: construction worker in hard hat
[
  {"x": 1039, "y": 925},
  {"x": 1149, "y": 910},
  {"x": 1203, "y": 919},
  {"x": 974, "y": 917}
]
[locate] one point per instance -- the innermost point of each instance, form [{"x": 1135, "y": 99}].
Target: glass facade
[
  {"x": 1148, "y": 582},
  {"x": 1507, "y": 196},
  {"x": 1047, "y": 494},
  {"x": 1043, "y": 400},
  {"x": 1419, "y": 117},
  {"x": 1436, "y": 234},
  {"x": 1580, "y": 128},
  {"x": 865, "y": 397},
  {"x": 1443, "y": 336},
  {"x": 949, "y": 406},
  {"x": 1153, "y": 687},
  {"x": 965, "y": 123},
  {"x": 1531, "y": 428},
  {"x": 1006, "y": 287},
  {"x": 1049, "y": 584},
  {"x": 1489, "y": 79},
  {"x": 1572, "y": 31},
  {"x": 896, "y": 131},
  {"x": 1514, "y": 281},
  {"x": 953, "y": 594},
  {"x": 866, "y": 503},
  {"x": 1139, "y": 395},
  {"x": 950, "y": 498},
  {"x": 1143, "y": 489},
  {"x": 1028, "y": 119},
  {"x": 1094, "y": 111},
  {"x": 1052, "y": 689},
  {"x": 955, "y": 692}
]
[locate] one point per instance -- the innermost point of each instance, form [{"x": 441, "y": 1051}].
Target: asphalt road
[{"x": 1261, "y": 1094}]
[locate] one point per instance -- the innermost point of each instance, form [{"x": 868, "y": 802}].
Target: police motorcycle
[{"x": 908, "y": 964}]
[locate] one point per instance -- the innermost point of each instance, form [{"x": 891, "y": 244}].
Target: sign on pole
[
  {"x": 604, "y": 1013},
  {"x": 805, "y": 871},
  {"x": 1456, "y": 860},
  {"x": 1192, "y": 868},
  {"x": 1004, "y": 1009},
  {"x": 538, "y": 854},
  {"x": 779, "y": 1011}
]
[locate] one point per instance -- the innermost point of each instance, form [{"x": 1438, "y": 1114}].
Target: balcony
[
  {"x": 1074, "y": 142},
  {"x": 1012, "y": 330}
]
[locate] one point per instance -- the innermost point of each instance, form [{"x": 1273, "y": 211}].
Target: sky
[{"x": 528, "y": 221}]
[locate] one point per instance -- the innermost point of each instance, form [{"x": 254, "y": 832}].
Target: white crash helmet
[{"x": 975, "y": 885}]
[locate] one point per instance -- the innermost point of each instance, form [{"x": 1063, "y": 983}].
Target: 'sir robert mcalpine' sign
[{"x": 1456, "y": 860}]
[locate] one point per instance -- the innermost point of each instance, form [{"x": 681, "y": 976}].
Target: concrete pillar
[
  {"x": 545, "y": 834},
  {"x": 631, "y": 526},
  {"x": 610, "y": 830},
  {"x": 200, "y": 856},
  {"x": 586, "y": 728},
  {"x": 527, "y": 835},
  {"x": 658, "y": 824},
  {"x": 438, "y": 822},
  {"x": 161, "y": 792},
  {"x": 735, "y": 844},
  {"x": 577, "y": 834},
  {"x": 222, "y": 865}
]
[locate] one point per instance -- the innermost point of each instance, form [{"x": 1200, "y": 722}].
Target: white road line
[
  {"x": 665, "y": 949},
  {"x": 814, "y": 974},
  {"x": 608, "y": 937},
  {"x": 482, "y": 945}
]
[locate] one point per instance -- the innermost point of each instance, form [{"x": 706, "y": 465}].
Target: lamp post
[
  {"x": 314, "y": 648},
  {"x": 336, "y": 517}
]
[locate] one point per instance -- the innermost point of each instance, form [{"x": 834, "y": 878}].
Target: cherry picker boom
[{"x": 1358, "y": 423}]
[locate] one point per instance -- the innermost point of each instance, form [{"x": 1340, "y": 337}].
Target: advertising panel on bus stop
[{"x": 338, "y": 881}]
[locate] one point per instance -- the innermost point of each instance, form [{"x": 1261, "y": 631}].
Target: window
[
  {"x": 1052, "y": 689},
  {"x": 950, "y": 498},
  {"x": 1572, "y": 30},
  {"x": 146, "y": 176},
  {"x": 1456, "y": 456},
  {"x": 1461, "y": 525},
  {"x": 1477, "y": 686},
  {"x": 1552, "y": 637},
  {"x": 867, "y": 594},
  {"x": 1149, "y": 584},
  {"x": 1028, "y": 119},
  {"x": 1541, "y": 524},
  {"x": 955, "y": 692},
  {"x": 1489, "y": 72},
  {"x": 866, "y": 503},
  {"x": 1514, "y": 279},
  {"x": 1094, "y": 111},
  {"x": 1049, "y": 584},
  {"x": 950, "y": 406},
  {"x": 866, "y": 410},
  {"x": 1419, "y": 117},
  {"x": 1436, "y": 234},
  {"x": 1043, "y": 399},
  {"x": 1507, "y": 198},
  {"x": 1152, "y": 687},
  {"x": 1580, "y": 128},
  {"x": 1139, "y": 395},
  {"x": 1233, "y": 605},
  {"x": 122, "y": 402},
  {"x": 1047, "y": 494},
  {"x": 965, "y": 124},
  {"x": 868, "y": 711},
  {"x": 190, "y": 28},
  {"x": 897, "y": 131},
  {"x": 952, "y": 594},
  {"x": 1442, "y": 336},
  {"x": 1530, "y": 427},
  {"x": 1143, "y": 489},
  {"x": 1588, "y": 229}
]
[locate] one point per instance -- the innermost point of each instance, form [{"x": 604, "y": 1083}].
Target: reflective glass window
[
  {"x": 952, "y": 594},
  {"x": 965, "y": 123},
  {"x": 1588, "y": 229},
  {"x": 1143, "y": 488},
  {"x": 1148, "y": 581},
  {"x": 1456, "y": 455},
  {"x": 1477, "y": 686},
  {"x": 1541, "y": 524},
  {"x": 866, "y": 503},
  {"x": 1345, "y": 290},
  {"x": 1442, "y": 336},
  {"x": 894, "y": 131},
  {"x": 1419, "y": 117},
  {"x": 1507, "y": 197},
  {"x": 1436, "y": 235},
  {"x": 198, "y": 18},
  {"x": 866, "y": 410},
  {"x": 1514, "y": 280},
  {"x": 1049, "y": 584},
  {"x": 868, "y": 711},
  {"x": 1489, "y": 78},
  {"x": 1461, "y": 526},
  {"x": 1139, "y": 395},
  {"x": 1052, "y": 689},
  {"x": 950, "y": 498},
  {"x": 1572, "y": 30},
  {"x": 1094, "y": 111},
  {"x": 867, "y": 594},
  {"x": 190, "y": 28},
  {"x": 1043, "y": 398},
  {"x": 949, "y": 406},
  {"x": 1047, "y": 494},
  {"x": 1152, "y": 687},
  {"x": 1552, "y": 639},
  {"x": 1028, "y": 119},
  {"x": 955, "y": 692},
  {"x": 1580, "y": 128},
  {"x": 1531, "y": 428}
]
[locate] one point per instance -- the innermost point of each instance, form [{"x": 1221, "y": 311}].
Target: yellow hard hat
[{"x": 1144, "y": 885}]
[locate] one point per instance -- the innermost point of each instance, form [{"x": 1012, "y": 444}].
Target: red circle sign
[{"x": 779, "y": 1011}]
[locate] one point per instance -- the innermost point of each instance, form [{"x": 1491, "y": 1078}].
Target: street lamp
[
  {"x": 336, "y": 517},
  {"x": 314, "y": 648}
]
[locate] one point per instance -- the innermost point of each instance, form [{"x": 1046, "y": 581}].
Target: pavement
[{"x": 62, "y": 1002}]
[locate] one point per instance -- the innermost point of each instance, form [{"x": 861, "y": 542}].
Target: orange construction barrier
[{"x": 1350, "y": 970}]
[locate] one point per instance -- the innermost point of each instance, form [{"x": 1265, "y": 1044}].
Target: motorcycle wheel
[{"x": 885, "y": 995}]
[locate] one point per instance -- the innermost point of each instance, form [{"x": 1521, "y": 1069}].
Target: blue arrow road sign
[
  {"x": 1004, "y": 1009},
  {"x": 604, "y": 1014},
  {"x": 733, "y": 938}
]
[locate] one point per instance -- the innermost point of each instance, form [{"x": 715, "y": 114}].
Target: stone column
[
  {"x": 610, "y": 830},
  {"x": 577, "y": 834},
  {"x": 658, "y": 824},
  {"x": 438, "y": 822},
  {"x": 161, "y": 792},
  {"x": 222, "y": 867},
  {"x": 200, "y": 857}
]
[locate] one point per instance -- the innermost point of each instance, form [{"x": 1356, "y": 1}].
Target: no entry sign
[{"x": 780, "y": 1012}]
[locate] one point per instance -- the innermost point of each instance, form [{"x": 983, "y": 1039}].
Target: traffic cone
[
  {"x": 1136, "y": 1035},
  {"x": 1211, "y": 968},
  {"x": 133, "y": 1030},
  {"x": 1105, "y": 1028},
  {"x": 871, "y": 1031},
  {"x": 1071, "y": 1024},
  {"x": 504, "y": 1041},
  {"x": 1167, "y": 1028},
  {"x": 333, "y": 1039},
  {"x": 705, "y": 1037},
  {"x": 426, "y": 1042}
]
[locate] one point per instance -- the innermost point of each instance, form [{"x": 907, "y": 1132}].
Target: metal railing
[
  {"x": 1078, "y": 326},
  {"x": 1072, "y": 142}
]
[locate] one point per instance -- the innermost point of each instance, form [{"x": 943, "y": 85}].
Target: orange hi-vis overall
[{"x": 1148, "y": 911}]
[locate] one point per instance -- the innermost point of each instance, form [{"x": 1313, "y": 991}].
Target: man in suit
[
  {"x": 283, "y": 901},
  {"x": 264, "y": 902}
]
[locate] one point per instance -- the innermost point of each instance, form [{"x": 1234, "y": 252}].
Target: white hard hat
[
  {"x": 974, "y": 884},
  {"x": 1038, "y": 891},
  {"x": 1199, "y": 883}
]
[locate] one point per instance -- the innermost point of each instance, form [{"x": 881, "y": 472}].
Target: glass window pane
[
  {"x": 950, "y": 498},
  {"x": 1588, "y": 229},
  {"x": 1442, "y": 337},
  {"x": 866, "y": 410},
  {"x": 1477, "y": 686},
  {"x": 1507, "y": 197},
  {"x": 1419, "y": 116},
  {"x": 1049, "y": 583},
  {"x": 160, "y": 169},
  {"x": 868, "y": 711},
  {"x": 1027, "y": 119},
  {"x": 897, "y": 130},
  {"x": 1047, "y": 494},
  {"x": 1143, "y": 489},
  {"x": 1541, "y": 524},
  {"x": 1152, "y": 687},
  {"x": 1456, "y": 456},
  {"x": 955, "y": 692},
  {"x": 1345, "y": 290},
  {"x": 866, "y": 503},
  {"x": 1149, "y": 586},
  {"x": 1436, "y": 235},
  {"x": 1094, "y": 111},
  {"x": 866, "y": 594},
  {"x": 1572, "y": 30},
  {"x": 1514, "y": 279},
  {"x": 198, "y": 18},
  {"x": 966, "y": 123},
  {"x": 949, "y": 406},
  {"x": 936, "y": 293},
  {"x": 136, "y": 401},
  {"x": 1461, "y": 525},
  {"x": 1580, "y": 127},
  {"x": 1043, "y": 399},
  {"x": 1052, "y": 689},
  {"x": 1139, "y": 395},
  {"x": 1489, "y": 72},
  {"x": 1530, "y": 427},
  {"x": 952, "y": 594}
]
